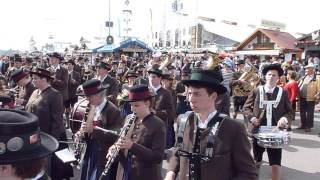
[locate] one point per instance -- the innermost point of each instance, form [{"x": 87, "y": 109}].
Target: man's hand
[
  {"x": 86, "y": 127},
  {"x": 282, "y": 123},
  {"x": 170, "y": 176},
  {"x": 125, "y": 143},
  {"x": 254, "y": 122},
  {"x": 19, "y": 101}
]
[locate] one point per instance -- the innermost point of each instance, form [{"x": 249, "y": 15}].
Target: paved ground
[{"x": 300, "y": 160}]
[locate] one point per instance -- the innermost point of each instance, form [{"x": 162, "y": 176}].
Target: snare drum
[{"x": 273, "y": 138}]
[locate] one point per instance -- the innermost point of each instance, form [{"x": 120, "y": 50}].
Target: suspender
[{"x": 269, "y": 104}]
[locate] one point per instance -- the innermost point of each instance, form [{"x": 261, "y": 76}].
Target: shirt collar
[
  {"x": 155, "y": 88},
  {"x": 57, "y": 67},
  {"x": 99, "y": 108},
  {"x": 268, "y": 90},
  {"x": 102, "y": 79},
  {"x": 39, "y": 175},
  {"x": 204, "y": 124}
]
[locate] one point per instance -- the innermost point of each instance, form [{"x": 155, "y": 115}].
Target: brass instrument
[
  {"x": 124, "y": 93},
  {"x": 165, "y": 63},
  {"x": 114, "y": 149},
  {"x": 87, "y": 74},
  {"x": 79, "y": 140},
  {"x": 213, "y": 62},
  {"x": 246, "y": 78},
  {"x": 123, "y": 77}
]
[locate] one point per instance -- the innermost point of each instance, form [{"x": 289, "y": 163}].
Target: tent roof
[{"x": 126, "y": 44}]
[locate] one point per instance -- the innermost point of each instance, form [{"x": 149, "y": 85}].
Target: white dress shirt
[{"x": 204, "y": 124}]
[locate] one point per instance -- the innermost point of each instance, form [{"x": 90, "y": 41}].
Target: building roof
[
  {"x": 283, "y": 39},
  {"x": 235, "y": 33}
]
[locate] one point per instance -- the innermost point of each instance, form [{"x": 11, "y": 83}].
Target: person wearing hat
[
  {"x": 206, "y": 132},
  {"x": 142, "y": 77},
  {"x": 80, "y": 66},
  {"x": 238, "y": 101},
  {"x": 47, "y": 103},
  {"x": 60, "y": 74},
  {"x": 107, "y": 116},
  {"x": 4, "y": 65},
  {"x": 16, "y": 60},
  {"x": 181, "y": 91},
  {"x": 143, "y": 148},
  {"x": 110, "y": 82},
  {"x": 121, "y": 71},
  {"x": 113, "y": 71},
  {"x": 123, "y": 105},
  {"x": 309, "y": 90},
  {"x": 167, "y": 83},
  {"x": 74, "y": 80},
  {"x": 23, "y": 147},
  {"x": 28, "y": 66},
  {"x": 267, "y": 106},
  {"x": 163, "y": 106},
  {"x": 6, "y": 101},
  {"x": 26, "y": 88}
]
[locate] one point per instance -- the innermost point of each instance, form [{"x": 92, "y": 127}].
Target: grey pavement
[{"x": 301, "y": 159}]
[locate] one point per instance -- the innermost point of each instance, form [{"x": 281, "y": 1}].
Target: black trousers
[
  {"x": 274, "y": 155},
  {"x": 306, "y": 113}
]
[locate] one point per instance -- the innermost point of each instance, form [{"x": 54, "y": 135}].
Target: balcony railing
[{"x": 263, "y": 46}]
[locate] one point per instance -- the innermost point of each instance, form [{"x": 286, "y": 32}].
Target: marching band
[{"x": 128, "y": 114}]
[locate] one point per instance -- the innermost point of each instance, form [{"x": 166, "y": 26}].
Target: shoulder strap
[
  {"x": 105, "y": 122},
  {"x": 182, "y": 124},
  {"x": 261, "y": 95},
  {"x": 278, "y": 97}
]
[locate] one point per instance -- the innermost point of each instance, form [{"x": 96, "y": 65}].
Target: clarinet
[
  {"x": 80, "y": 137},
  {"x": 114, "y": 149}
]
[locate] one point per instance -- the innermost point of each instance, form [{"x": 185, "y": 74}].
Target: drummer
[{"x": 280, "y": 115}]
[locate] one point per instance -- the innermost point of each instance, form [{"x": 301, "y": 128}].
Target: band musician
[
  {"x": 268, "y": 105},
  {"x": 210, "y": 145}
]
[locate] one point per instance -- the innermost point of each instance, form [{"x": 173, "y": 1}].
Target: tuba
[
  {"x": 124, "y": 93},
  {"x": 165, "y": 63},
  {"x": 213, "y": 62},
  {"x": 248, "y": 78}
]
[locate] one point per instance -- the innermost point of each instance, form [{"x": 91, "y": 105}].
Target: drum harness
[
  {"x": 195, "y": 158},
  {"x": 269, "y": 104}
]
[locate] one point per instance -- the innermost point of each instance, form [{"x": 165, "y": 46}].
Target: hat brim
[
  {"x": 155, "y": 72},
  {"x": 310, "y": 66},
  {"x": 219, "y": 88},
  {"x": 41, "y": 75},
  {"x": 48, "y": 145},
  {"x": 270, "y": 67},
  {"x": 131, "y": 76},
  {"x": 89, "y": 94},
  {"x": 126, "y": 99}
]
